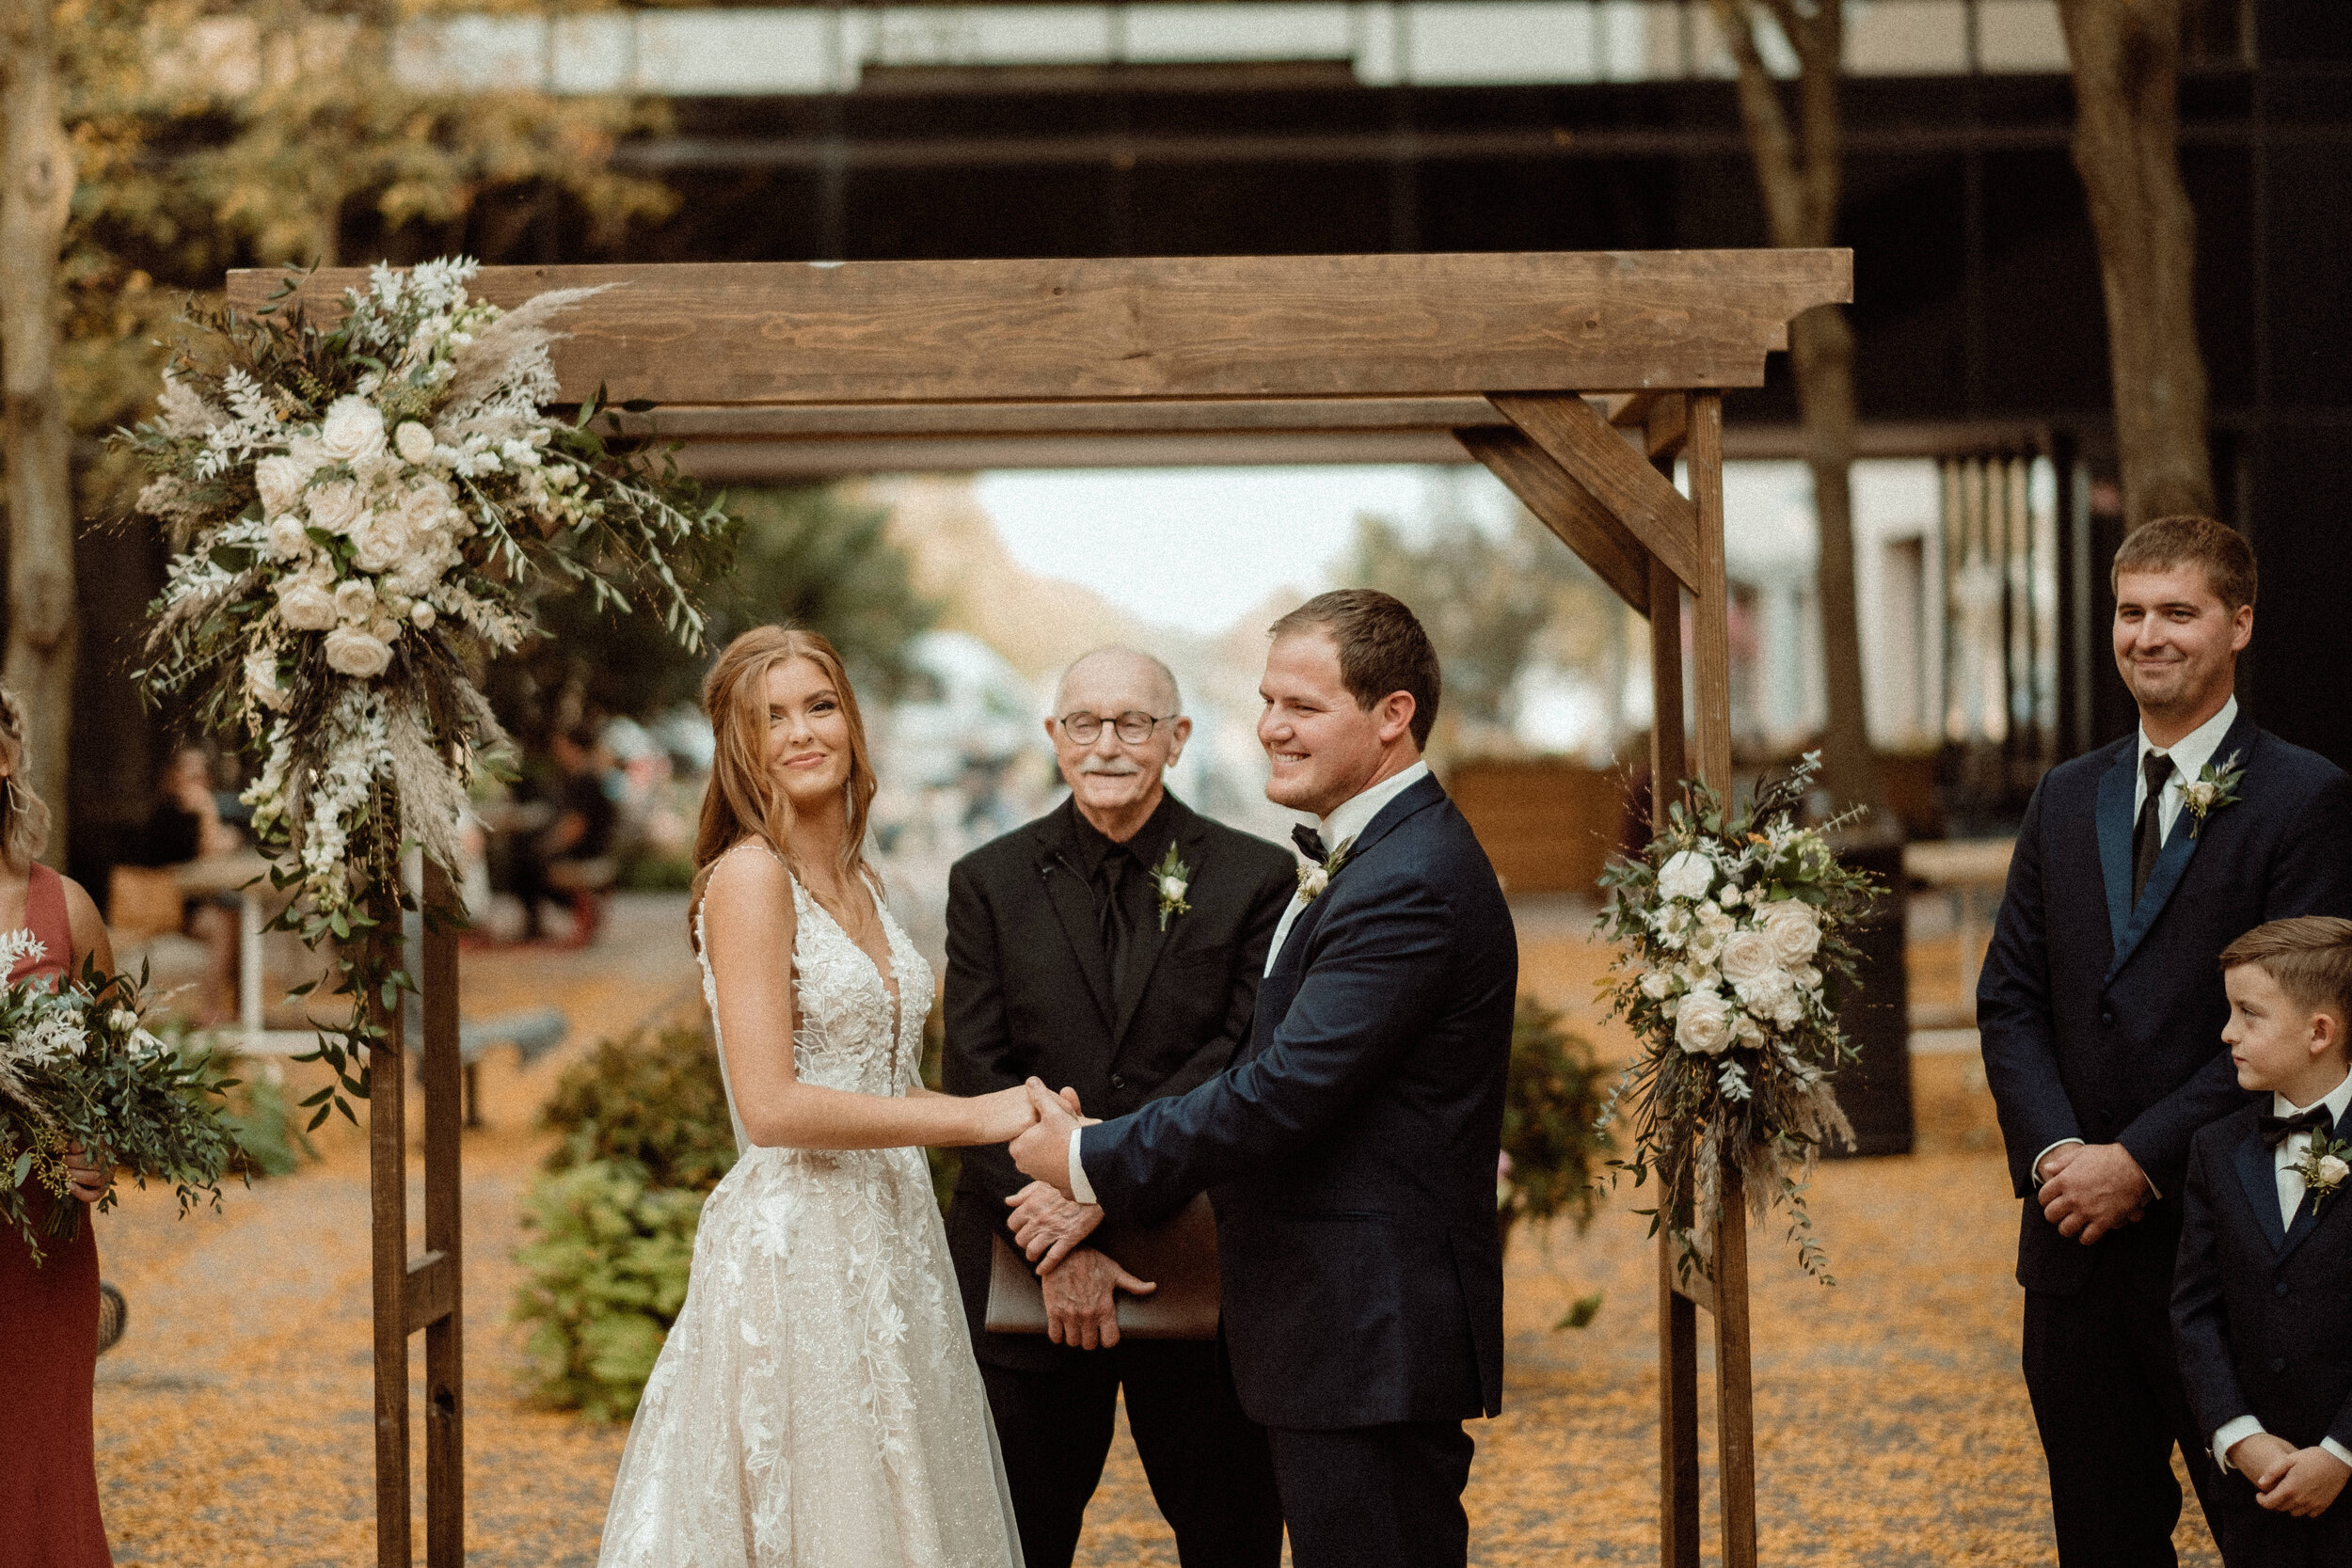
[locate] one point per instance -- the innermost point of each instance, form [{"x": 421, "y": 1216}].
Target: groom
[
  {"x": 2101, "y": 1010},
  {"x": 1351, "y": 1147}
]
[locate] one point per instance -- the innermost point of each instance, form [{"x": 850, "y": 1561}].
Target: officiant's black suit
[
  {"x": 1030, "y": 991},
  {"x": 1350, "y": 1151},
  {"x": 2262, "y": 1311},
  {"x": 2101, "y": 1018}
]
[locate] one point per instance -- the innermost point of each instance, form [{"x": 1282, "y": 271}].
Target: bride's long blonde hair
[{"x": 742, "y": 800}]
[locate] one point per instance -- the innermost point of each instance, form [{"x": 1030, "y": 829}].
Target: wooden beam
[
  {"x": 1139, "y": 416},
  {"x": 430, "y": 1295},
  {"x": 1712, "y": 633},
  {"x": 1253, "y": 327},
  {"x": 1565, "y": 426},
  {"x": 444, "y": 1227},
  {"x": 1566, "y": 508},
  {"x": 1665, "y": 428}
]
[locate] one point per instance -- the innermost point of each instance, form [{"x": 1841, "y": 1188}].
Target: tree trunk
[
  {"x": 2126, "y": 57},
  {"x": 1800, "y": 170},
  {"x": 35, "y": 191}
]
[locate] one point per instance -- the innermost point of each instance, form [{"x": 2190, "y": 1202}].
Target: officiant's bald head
[{"x": 1118, "y": 723}]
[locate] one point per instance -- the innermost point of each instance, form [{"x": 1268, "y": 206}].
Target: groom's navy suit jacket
[
  {"x": 2262, "y": 1312},
  {"x": 1350, "y": 1150},
  {"x": 2101, "y": 1019}
]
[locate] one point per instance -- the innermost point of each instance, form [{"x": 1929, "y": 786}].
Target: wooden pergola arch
[{"x": 1578, "y": 378}]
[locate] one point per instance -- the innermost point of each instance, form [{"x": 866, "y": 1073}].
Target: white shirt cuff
[
  {"x": 2230, "y": 1437},
  {"x": 1080, "y": 1188},
  {"x": 2337, "y": 1448},
  {"x": 2035, "y": 1169}
]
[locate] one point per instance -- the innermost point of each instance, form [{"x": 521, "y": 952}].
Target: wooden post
[
  {"x": 1735, "y": 1397},
  {"x": 424, "y": 1293},
  {"x": 387, "y": 1194},
  {"x": 1712, "y": 645}
]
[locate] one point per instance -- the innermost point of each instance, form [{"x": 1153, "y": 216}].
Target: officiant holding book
[{"x": 1114, "y": 945}]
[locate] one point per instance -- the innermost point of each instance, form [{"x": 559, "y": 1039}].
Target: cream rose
[
  {"x": 1656, "y": 983},
  {"x": 354, "y": 653},
  {"x": 337, "y": 506},
  {"x": 354, "y": 429},
  {"x": 1748, "y": 956},
  {"x": 1771, "y": 994},
  {"x": 1702, "y": 1023},
  {"x": 1172, "y": 888},
  {"x": 421, "y": 615},
  {"x": 304, "y": 605},
  {"x": 2333, "y": 1170},
  {"x": 1687, "y": 875},
  {"x": 1795, "y": 928},
  {"x": 354, "y": 600},
  {"x": 279, "y": 480},
  {"x": 378, "y": 544},
  {"x": 414, "y": 441},
  {"x": 285, "y": 538}
]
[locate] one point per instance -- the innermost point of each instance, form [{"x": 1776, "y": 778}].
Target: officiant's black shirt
[{"x": 1137, "y": 895}]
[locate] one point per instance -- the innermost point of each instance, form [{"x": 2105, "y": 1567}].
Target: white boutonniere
[
  {"x": 2213, "y": 788},
  {"x": 1169, "y": 878},
  {"x": 1315, "y": 877},
  {"x": 2324, "y": 1167}
]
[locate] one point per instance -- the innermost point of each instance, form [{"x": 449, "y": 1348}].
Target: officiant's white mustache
[{"x": 1118, "y": 767}]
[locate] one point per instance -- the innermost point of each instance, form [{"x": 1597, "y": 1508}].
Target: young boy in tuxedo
[{"x": 2262, "y": 1297}]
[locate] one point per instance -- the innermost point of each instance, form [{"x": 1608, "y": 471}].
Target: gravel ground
[{"x": 234, "y": 1423}]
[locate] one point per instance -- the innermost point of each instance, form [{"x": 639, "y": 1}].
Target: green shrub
[
  {"x": 1555, "y": 1092},
  {"x": 608, "y": 1265},
  {"x": 651, "y": 1100},
  {"x": 268, "y": 1129}
]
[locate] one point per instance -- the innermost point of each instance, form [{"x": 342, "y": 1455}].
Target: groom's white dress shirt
[
  {"x": 2289, "y": 1156},
  {"x": 1339, "y": 829},
  {"x": 2190, "y": 755}
]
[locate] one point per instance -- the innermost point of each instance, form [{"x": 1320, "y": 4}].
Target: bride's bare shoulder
[{"x": 747, "y": 884}]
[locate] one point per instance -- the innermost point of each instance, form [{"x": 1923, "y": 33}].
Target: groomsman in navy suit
[
  {"x": 2101, "y": 1012},
  {"x": 2262, "y": 1299}
]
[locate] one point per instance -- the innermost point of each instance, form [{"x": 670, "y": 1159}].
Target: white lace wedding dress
[{"x": 817, "y": 1403}]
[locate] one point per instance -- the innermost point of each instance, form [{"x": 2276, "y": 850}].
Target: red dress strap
[{"x": 45, "y": 916}]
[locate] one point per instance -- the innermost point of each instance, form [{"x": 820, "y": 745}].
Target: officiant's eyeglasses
[{"x": 1134, "y": 728}]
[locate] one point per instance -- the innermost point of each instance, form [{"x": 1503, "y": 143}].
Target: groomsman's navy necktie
[
  {"x": 1309, "y": 843},
  {"x": 2148, "y": 835}
]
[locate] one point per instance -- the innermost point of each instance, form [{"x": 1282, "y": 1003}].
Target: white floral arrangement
[
  {"x": 1732, "y": 928},
  {"x": 365, "y": 512}
]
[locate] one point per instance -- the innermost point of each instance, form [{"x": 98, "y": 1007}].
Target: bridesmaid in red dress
[{"x": 48, "y": 1315}]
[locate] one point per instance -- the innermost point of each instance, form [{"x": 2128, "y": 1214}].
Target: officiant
[{"x": 1114, "y": 945}]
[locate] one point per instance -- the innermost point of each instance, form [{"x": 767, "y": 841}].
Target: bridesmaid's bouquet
[
  {"x": 1733, "y": 928},
  {"x": 78, "y": 1066}
]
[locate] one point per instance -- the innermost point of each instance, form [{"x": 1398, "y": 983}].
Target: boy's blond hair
[{"x": 2311, "y": 958}]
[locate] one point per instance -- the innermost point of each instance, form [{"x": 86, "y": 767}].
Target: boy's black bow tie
[
  {"x": 2275, "y": 1131},
  {"x": 1309, "y": 843}
]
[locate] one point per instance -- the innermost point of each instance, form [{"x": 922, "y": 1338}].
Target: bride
[{"x": 816, "y": 1402}]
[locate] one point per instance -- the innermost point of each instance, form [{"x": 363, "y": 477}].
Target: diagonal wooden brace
[
  {"x": 1636, "y": 494},
  {"x": 1565, "y": 507},
  {"x": 430, "y": 1291}
]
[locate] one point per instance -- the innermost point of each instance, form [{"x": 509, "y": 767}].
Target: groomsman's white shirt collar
[
  {"x": 2190, "y": 755},
  {"x": 2290, "y": 1154},
  {"x": 1345, "y": 822}
]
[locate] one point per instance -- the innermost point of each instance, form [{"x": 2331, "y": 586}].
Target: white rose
[
  {"x": 354, "y": 600},
  {"x": 1795, "y": 928},
  {"x": 354, "y": 429},
  {"x": 1771, "y": 993},
  {"x": 1807, "y": 976},
  {"x": 1702, "y": 1023},
  {"x": 122, "y": 1020},
  {"x": 414, "y": 441},
  {"x": 279, "y": 481},
  {"x": 261, "y": 677},
  {"x": 1172, "y": 888},
  {"x": 336, "y": 506},
  {"x": 1656, "y": 983},
  {"x": 1730, "y": 897},
  {"x": 1687, "y": 875},
  {"x": 2201, "y": 795},
  {"x": 1748, "y": 956},
  {"x": 304, "y": 605},
  {"x": 422, "y": 615},
  {"x": 378, "y": 544},
  {"x": 2333, "y": 1170},
  {"x": 350, "y": 652},
  {"x": 285, "y": 538}
]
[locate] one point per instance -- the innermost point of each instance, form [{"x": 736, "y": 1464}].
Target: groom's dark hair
[{"x": 1382, "y": 649}]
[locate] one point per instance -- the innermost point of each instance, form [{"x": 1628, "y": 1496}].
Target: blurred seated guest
[
  {"x": 186, "y": 824},
  {"x": 48, "y": 1313},
  {"x": 570, "y": 860}
]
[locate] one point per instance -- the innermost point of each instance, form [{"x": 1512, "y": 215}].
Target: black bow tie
[
  {"x": 2277, "y": 1129},
  {"x": 1309, "y": 843}
]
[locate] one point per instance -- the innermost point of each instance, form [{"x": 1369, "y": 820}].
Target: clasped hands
[
  {"x": 2288, "y": 1479},
  {"x": 87, "y": 1175},
  {"x": 2088, "y": 1190},
  {"x": 1080, "y": 1283}
]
